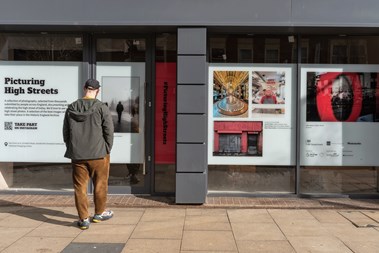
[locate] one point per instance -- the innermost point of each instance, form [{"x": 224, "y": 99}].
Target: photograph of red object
[{"x": 342, "y": 97}]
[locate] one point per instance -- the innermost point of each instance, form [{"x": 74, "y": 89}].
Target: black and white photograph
[{"x": 121, "y": 95}]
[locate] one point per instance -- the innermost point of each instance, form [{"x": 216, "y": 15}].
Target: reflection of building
[{"x": 238, "y": 138}]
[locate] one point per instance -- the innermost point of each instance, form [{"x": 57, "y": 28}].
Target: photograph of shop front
[{"x": 243, "y": 98}]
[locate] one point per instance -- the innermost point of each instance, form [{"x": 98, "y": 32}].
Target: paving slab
[
  {"x": 349, "y": 233},
  {"x": 26, "y": 220},
  {"x": 208, "y": 241},
  {"x": 38, "y": 245},
  {"x": 172, "y": 229},
  {"x": 318, "y": 244},
  {"x": 266, "y": 246},
  {"x": 205, "y": 211},
  {"x": 328, "y": 216},
  {"x": 249, "y": 216},
  {"x": 106, "y": 234},
  {"x": 372, "y": 214},
  {"x": 159, "y": 214},
  {"x": 152, "y": 245},
  {"x": 257, "y": 232},
  {"x": 363, "y": 247},
  {"x": 203, "y": 222},
  {"x": 359, "y": 219},
  {"x": 302, "y": 227},
  {"x": 10, "y": 235},
  {"x": 53, "y": 230},
  {"x": 289, "y": 214}
]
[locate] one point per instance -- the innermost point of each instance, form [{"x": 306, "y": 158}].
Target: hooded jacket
[{"x": 87, "y": 130}]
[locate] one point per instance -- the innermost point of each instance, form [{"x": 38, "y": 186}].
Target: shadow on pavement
[{"x": 52, "y": 216}]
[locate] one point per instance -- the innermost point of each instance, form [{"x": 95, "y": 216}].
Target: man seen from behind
[{"x": 88, "y": 134}]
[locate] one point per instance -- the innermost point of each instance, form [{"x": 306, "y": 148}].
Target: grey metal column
[{"x": 191, "y": 148}]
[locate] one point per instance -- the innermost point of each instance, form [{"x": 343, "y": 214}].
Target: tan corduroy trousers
[{"x": 83, "y": 170}]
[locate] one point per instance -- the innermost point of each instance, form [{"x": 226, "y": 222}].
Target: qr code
[{"x": 8, "y": 125}]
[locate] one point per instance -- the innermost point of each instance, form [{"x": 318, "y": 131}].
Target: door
[{"x": 123, "y": 69}]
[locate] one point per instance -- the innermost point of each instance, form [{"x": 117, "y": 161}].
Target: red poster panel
[{"x": 165, "y": 113}]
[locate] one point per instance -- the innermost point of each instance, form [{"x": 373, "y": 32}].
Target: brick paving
[{"x": 211, "y": 202}]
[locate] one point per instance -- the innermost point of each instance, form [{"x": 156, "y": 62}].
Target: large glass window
[
  {"x": 339, "y": 119},
  {"x": 339, "y": 49},
  {"x": 40, "y": 73},
  {"x": 252, "y": 49},
  {"x": 121, "y": 70},
  {"x": 41, "y": 47},
  {"x": 251, "y": 126}
]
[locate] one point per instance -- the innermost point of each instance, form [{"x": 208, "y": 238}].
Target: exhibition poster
[
  {"x": 165, "y": 113},
  {"x": 340, "y": 115},
  {"x": 251, "y": 115},
  {"x": 123, "y": 91},
  {"x": 33, "y": 102}
]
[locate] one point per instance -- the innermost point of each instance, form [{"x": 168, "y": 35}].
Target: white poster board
[
  {"x": 33, "y": 101},
  {"x": 339, "y": 115},
  {"x": 123, "y": 83},
  {"x": 251, "y": 114}
]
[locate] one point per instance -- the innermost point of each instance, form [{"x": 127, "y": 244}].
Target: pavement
[{"x": 47, "y": 223}]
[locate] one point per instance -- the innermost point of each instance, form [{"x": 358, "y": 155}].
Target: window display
[
  {"x": 251, "y": 115},
  {"x": 340, "y": 115}
]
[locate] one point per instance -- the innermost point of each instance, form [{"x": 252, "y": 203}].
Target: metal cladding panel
[
  {"x": 196, "y": 13},
  {"x": 191, "y": 157},
  {"x": 191, "y": 70},
  {"x": 191, "y": 188},
  {"x": 335, "y": 13},
  {"x": 192, "y": 41},
  {"x": 147, "y": 12},
  {"x": 192, "y": 99},
  {"x": 191, "y": 128}
]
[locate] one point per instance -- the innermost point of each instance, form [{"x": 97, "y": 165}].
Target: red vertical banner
[{"x": 165, "y": 112}]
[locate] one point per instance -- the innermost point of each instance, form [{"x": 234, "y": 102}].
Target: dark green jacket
[{"x": 87, "y": 130}]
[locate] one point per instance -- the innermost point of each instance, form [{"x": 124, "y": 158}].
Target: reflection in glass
[
  {"x": 345, "y": 180},
  {"x": 251, "y": 179}
]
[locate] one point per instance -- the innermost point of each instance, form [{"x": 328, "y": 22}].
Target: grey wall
[
  {"x": 191, "y": 140},
  {"x": 192, "y": 12}
]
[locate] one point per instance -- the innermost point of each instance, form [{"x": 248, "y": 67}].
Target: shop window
[
  {"x": 341, "y": 105},
  {"x": 304, "y": 48},
  {"x": 41, "y": 47},
  {"x": 229, "y": 143},
  {"x": 41, "y": 74},
  {"x": 251, "y": 127},
  {"x": 341, "y": 49},
  {"x": 218, "y": 50},
  {"x": 348, "y": 51},
  {"x": 245, "y": 50},
  {"x": 272, "y": 51},
  {"x": 250, "y": 48},
  {"x": 120, "y": 50}
]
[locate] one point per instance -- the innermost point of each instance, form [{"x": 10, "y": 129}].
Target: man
[
  {"x": 268, "y": 98},
  {"x": 88, "y": 134},
  {"x": 119, "y": 110}
]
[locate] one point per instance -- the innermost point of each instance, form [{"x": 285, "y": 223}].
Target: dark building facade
[{"x": 227, "y": 98}]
